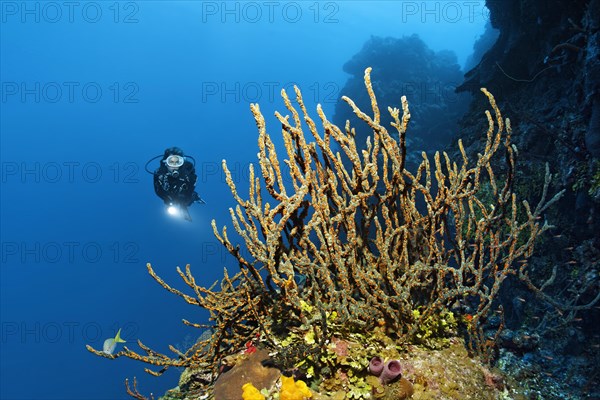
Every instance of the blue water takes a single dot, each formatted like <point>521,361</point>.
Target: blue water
<point>91,91</point>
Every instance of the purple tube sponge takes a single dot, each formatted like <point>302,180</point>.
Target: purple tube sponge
<point>376,366</point>
<point>391,371</point>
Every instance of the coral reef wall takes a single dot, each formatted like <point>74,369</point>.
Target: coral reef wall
<point>544,70</point>
<point>547,58</point>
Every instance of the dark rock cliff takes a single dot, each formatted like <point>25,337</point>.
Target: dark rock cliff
<point>544,71</point>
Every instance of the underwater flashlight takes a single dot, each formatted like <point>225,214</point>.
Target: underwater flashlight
<point>173,210</point>
<point>178,211</point>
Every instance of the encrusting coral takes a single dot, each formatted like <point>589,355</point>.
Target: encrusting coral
<point>351,242</point>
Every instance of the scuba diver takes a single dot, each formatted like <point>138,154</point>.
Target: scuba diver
<point>175,181</point>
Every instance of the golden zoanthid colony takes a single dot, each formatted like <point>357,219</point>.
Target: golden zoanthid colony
<point>349,256</point>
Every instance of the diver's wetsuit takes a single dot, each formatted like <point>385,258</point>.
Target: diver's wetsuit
<point>177,186</point>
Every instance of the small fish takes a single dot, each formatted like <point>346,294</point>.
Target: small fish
<point>111,344</point>
<point>521,299</point>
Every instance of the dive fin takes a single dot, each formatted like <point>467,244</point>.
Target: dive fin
<point>197,199</point>
<point>186,214</point>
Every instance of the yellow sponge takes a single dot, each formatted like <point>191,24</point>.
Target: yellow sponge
<point>251,393</point>
<point>291,390</point>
